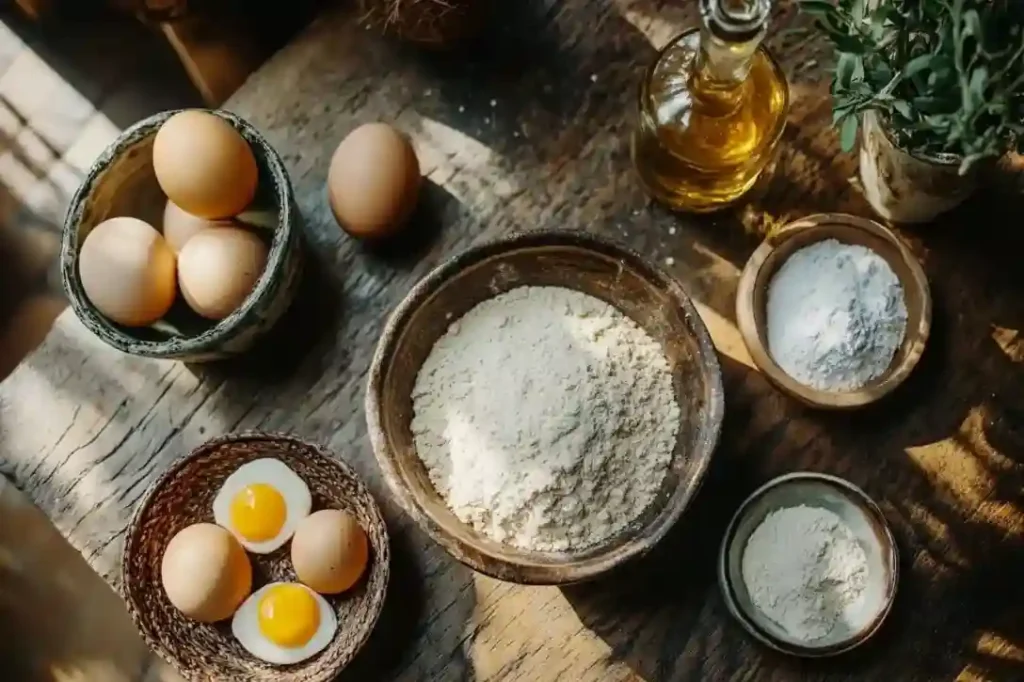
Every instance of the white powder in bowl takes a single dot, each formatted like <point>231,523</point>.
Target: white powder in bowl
<point>546,419</point>
<point>805,570</point>
<point>836,316</point>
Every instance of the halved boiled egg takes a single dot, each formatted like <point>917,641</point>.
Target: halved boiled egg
<point>284,623</point>
<point>261,503</point>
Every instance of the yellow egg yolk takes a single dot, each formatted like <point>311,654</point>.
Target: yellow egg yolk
<point>289,615</point>
<point>258,512</point>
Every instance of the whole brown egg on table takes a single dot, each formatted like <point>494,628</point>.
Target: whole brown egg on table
<point>373,181</point>
<point>131,272</point>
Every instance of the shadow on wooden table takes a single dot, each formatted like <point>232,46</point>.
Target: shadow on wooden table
<point>528,89</point>
<point>308,331</point>
<point>411,611</point>
<point>945,458</point>
<point>305,328</point>
<point>58,620</point>
<point>29,293</point>
<point>435,208</point>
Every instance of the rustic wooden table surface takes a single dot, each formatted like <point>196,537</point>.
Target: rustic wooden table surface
<point>533,133</point>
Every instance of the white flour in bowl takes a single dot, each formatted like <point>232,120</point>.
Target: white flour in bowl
<point>546,419</point>
<point>836,316</point>
<point>805,570</point>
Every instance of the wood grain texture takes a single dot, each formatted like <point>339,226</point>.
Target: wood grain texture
<point>84,429</point>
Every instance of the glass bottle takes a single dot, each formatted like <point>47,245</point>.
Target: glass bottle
<point>712,110</point>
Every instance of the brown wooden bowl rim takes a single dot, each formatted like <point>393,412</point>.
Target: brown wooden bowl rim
<point>383,559</point>
<point>468,553</point>
<point>756,276</point>
<point>890,548</point>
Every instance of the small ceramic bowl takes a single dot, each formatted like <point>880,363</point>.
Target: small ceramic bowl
<point>752,298</point>
<point>121,182</point>
<point>183,496</point>
<point>869,527</point>
<point>654,300</point>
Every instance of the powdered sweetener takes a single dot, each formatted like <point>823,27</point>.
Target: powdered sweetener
<point>805,570</point>
<point>836,316</point>
<point>546,419</point>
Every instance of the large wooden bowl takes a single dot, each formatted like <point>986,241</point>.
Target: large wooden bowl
<point>183,496</point>
<point>574,261</point>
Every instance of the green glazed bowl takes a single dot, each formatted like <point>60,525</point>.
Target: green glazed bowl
<point>121,182</point>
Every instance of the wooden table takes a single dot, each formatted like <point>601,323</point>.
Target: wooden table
<point>534,134</point>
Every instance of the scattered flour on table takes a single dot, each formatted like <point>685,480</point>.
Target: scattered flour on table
<point>805,570</point>
<point>836,316</point>
<point>546,418</point>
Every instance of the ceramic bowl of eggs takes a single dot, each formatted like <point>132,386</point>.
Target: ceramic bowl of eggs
<point>183,240</point>
<point>256,557</point>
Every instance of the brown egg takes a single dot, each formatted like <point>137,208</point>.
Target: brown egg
<point>373,181</point>
<point>218,269</point>
<point>204,165</point>
<point>206,573</point>
<point>330,551</point>
<point>127,271</point>
<point>180,225</point>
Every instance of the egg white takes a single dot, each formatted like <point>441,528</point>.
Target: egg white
<point>293,489</point>
<point>246,629</point>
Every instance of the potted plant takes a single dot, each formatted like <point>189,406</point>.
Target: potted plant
<point>937,88</point>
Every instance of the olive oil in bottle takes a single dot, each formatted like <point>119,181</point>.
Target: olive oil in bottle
<point>712,109</point>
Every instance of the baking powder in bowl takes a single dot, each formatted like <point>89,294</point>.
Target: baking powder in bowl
<point>546,419</point>
<point>836,316</point>
<point>804,570</point>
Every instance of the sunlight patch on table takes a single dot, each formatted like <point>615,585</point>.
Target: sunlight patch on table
<point>725,335</point>
<point>959,468</point>
<point>996,646</point>
<point>556,640</point>
<point>1010,341</point>
<point>89,671</point>
<point>52,133</point>
<point>972,674</point>
<point>465,167</point>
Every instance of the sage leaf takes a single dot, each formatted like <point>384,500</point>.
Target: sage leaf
<point>976,88</point>
<point>848,133</point>
<point>972,25</point>
<point>917,65</point>
<point>903,109</point>
<point>847,69</point>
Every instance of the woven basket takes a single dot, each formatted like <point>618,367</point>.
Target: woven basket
<point>428,23</point>
<point>183,496</point>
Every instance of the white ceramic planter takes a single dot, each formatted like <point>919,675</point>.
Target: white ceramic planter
<point>907,188</point>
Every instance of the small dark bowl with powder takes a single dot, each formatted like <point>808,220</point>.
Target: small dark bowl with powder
<point>809,565</point>
<point>618,277</point>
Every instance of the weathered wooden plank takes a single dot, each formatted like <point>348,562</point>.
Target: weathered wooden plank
<point>532,132</point>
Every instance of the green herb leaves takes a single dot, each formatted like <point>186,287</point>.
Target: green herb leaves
<point>947,76</point>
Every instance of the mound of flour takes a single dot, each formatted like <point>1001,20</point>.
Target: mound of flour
<point>836,316</point>
<point>546,418</point>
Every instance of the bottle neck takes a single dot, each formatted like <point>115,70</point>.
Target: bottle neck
<point>731,33</point>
